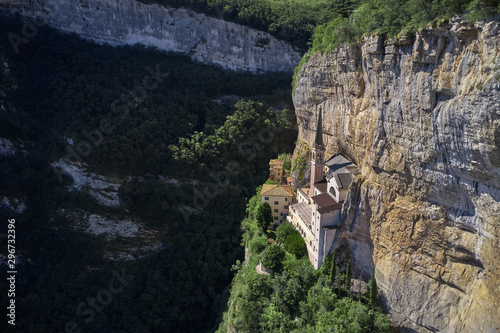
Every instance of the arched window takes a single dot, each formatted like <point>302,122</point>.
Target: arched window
<point>333,192</point>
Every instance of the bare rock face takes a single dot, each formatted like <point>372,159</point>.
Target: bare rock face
<point>421,118</point>
<point>129,22</point>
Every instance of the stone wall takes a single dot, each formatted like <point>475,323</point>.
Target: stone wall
<point>421,118</point>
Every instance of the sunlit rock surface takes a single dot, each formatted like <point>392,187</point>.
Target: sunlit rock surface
<point>422,121</point>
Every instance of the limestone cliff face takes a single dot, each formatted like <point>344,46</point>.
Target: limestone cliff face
<point>204,38</point>
<point>422,121</point>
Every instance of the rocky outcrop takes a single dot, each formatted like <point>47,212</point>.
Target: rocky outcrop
<point>422,121</point>
<point>129,22</point>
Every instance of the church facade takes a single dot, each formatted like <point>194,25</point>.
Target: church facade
<point>317,212</point>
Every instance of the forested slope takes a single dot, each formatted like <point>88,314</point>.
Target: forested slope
<point>56,95</point>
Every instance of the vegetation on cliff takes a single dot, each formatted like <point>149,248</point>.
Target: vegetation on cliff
<point>294,297</point>
<point>390,18</point>
<point>333,22</point>
<point>292,21</point>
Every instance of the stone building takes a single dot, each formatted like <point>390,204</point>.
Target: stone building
<point>317,211</point>
<point>276,170</point>
<point>279,198</point>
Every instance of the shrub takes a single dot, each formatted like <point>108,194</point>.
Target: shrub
<point>257,244</point>
<point>295,244</point>
<point>283,231</point>
<point>273,259</point>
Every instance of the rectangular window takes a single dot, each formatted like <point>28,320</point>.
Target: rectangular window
<point>281,214</point>
<point>275,217</point>
<point>286,199</point>
<point>286,207</point>
<point>275,210</point>
<point>266,198</point>
<point>276,203</point>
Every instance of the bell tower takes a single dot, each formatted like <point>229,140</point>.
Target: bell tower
<point>318,153</point>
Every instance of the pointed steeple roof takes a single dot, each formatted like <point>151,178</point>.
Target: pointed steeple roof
<point>319,130</point>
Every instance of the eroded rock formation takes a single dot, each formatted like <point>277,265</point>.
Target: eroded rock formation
<point>129,22</point>
<point>422,121</point>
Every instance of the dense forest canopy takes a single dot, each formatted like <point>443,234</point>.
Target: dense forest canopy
<point>56,94</point>
<point>81,86</point>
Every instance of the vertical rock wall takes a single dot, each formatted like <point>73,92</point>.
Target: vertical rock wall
<point>422,121</point>
<point>129,22</point>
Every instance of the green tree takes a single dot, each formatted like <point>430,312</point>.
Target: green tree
<point>373,295</point>
<point>340,7</point>
<point>257,244</point>
<point>264,216</point>
<point>283,231</point>
<point>275,319</point>
<point>273,259</point>
<point>348,316</point>
<point>381,321</point>
<point>254,203</point>
<point>270,182</point>
<point>294,243</point>
<point>333,271</point>
<point>348,275</point>
<point>287,161</point>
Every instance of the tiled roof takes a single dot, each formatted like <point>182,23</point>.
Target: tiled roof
<point>289,189</point>
<point>326,203</point>
<point>337,162</point>
<point>305,191</point>
<point>304,211</point>
<point>345,179</point>
<point>275,162</point>
<point>321,185</point>
<point>277,190</point>
<point>342,169</point>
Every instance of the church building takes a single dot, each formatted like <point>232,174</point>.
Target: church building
<point>317,212</point>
